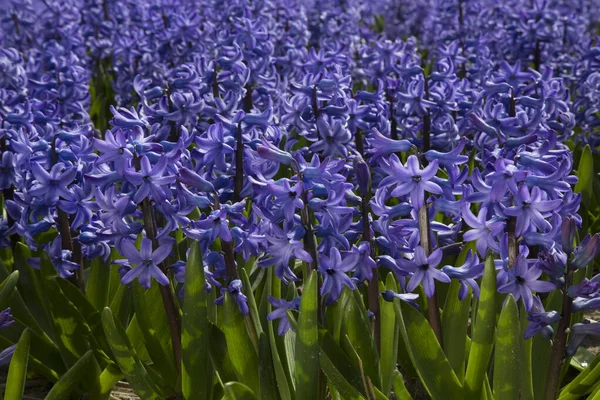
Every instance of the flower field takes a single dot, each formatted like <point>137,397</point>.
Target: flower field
<point>290,200</point>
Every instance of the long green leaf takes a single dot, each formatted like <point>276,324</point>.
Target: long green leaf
<point>220,356</point>
<point>425,352</point>
<point>357,327</point>
<point>127,360</point>
<point>30,288</point>
<point>241,349</point>
<point>284,379</point>
<point>307,343</point>
<point>337,364</point>
<point>266,372</point>
<point>17,371</point>
<point>507,357</point>
<point>455,321</point>
<point>196,368</point>
<point>526,358</point>
<point>390,330</point>
<point>98,283</point>
<point>585,176</point>
<point>8,288</point>
<point>70,380</point>
<point>71,330</point>
<point>161,361</point>
<point>483,333</point>
<point>18,308</point>
<point>400,388</point>
<point>238,391</point>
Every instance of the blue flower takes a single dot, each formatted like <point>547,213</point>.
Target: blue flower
<point>334,274</point>
<point>423,269</point>
<point>280,312</point>
<point>147,262</point>
<point>522,280</point>
<point>235,289</point>
<point>410,179</point>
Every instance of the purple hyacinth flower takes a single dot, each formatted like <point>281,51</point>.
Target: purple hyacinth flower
<point>218,226</point>
<point>147,262</point>
<point>586,251</point>
<point>522,280</point>
<point>287,197</point>
<point>269,151</point>
<point>540,320</point>
<point>410,179</point>
<point>466,274</point>
<point>6,355</point>
<point>334,274</point>
<point>54,184</point>
<point>150,180</point>
<point>282,249</point>
<point>424,270</point>
<point>235,289</point>
<point>280,313</point>
<point>334,138</point>
<point>410,298</point>
<point>530,209</point>
<point>579,333</point>
<point>6,318</point>
<point>484,231</point>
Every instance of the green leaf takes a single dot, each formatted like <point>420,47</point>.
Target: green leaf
<point>161,361</point>
<point>483,333</point>
<point>357,327</point>
<point>390,330</point>
<point>70,328</point>
<point>108,379</point>
<point>238,391</point>
<point>425,352</point>
<point>44,356</point>
<point>241,349</point>
<point>266,372</point>
<point>219,355</point>
<point>526,362</point>
<point>90,314</point>
<point>98,283</point>
<point>455,321</point>
<point>585,175</point>
<point>196,368</point>
<point>68,383</point>
<point>18,308</point>
<point>399,387</point>
<point>253,309</point>
<point>126,358</point>
<point>339,369</point>
<point>8,288</point>
<point>30,288</point>
<point>542,349</point>
<point>282,376</point>
<point>17,371</point>
<point>307,343</point>
<point>507,357</point>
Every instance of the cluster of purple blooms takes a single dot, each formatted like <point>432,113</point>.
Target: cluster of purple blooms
<point>278,134</point>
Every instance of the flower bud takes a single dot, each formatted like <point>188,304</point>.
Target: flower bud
<point>567,234</point>
<point>363,175</point>
<point>272,153</point>
<point>587,251</point>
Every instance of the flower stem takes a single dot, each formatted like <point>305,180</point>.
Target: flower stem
<point>433,309</point>
<point>559,345</point>
<point>373,288</point>
<point>166,293</point>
